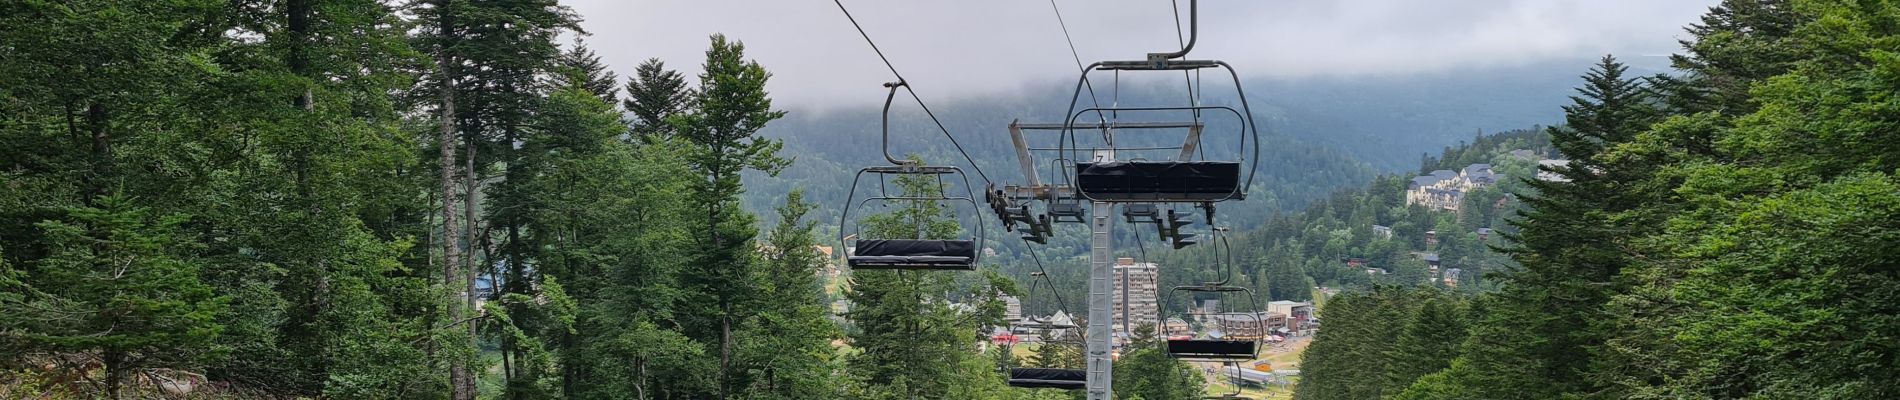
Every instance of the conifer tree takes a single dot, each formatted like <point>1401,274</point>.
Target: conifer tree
<point>1359,333</point>
<point>1285,276</point>
<point>788,344</point>
<point>731,108</point>
<point>908,334</point>
<point>654,94</point>
<point>581,67</point>
<point>119,281</point>
<point>1146,371</point>
<point>1428,341</point>
<point>1538,336</point>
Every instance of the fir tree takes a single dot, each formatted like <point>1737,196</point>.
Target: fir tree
<point>1428,341</point>
<point>654,94</point>
<point>581,67</point>
<point>788,344</point>
<point>732,107</point>
<point>1146,371</point>
<point>1285,276</point>
<point>1537,338</point>
<point>119,281</point>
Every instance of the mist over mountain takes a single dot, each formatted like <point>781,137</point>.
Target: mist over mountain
<point>1319,134</point>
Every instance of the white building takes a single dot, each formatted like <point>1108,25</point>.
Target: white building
<point>1543,175</point>
<point>1012,307</point>
<point>1299,315</point>
<point>1136,298</point>
<point>1445,189</point>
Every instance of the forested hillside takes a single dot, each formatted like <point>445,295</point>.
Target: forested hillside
<point>434,199</point>
<point>452,199</point>
<point>1322,133</point>
<point>832,144</point>
<point>1725,231</point>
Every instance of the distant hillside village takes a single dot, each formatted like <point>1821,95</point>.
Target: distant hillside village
<point>1445,190</point>
<point>1473,196</point>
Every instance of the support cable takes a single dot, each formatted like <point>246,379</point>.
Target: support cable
<point>913,93</point>
<point>1061,304</point>
<point>1078,64</point>
<point>1194,82</point>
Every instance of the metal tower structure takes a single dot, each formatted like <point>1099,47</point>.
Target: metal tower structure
<point>1139,177</point>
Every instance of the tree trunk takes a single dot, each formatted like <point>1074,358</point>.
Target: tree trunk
<point>640,384</point>
<point>470,198</point>
<point>299,59</point>
<point>96,123</point>
<point>451,235</point>
<point>725,349</point>
<point>725,306</point>
<point>115,373</point>
<point>508,370</point>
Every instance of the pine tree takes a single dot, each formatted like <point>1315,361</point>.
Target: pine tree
<point>306,216</point>
<point>732,107</point>
<point>654,94</point>
<point>1427,343</point>
<point>1737,43</point>
<point>1538,337</point>
<point>1146,371</point>
<point>910,335</point>
<point>612,228</point>
<point>581,67</point>
<point>445,41</point>
<point>119,281</point>
<point>1057,352</point>
<point>1766,210</point>
<point>1285,275</point>
<point>788,344</point>
<point>1342,361</point>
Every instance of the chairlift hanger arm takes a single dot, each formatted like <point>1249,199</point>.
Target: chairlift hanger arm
<point>887,122</point>
<point>1194,22</point>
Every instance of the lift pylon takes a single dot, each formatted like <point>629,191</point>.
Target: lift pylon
<point>1139,175</point>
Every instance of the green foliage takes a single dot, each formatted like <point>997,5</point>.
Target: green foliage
<point>1286,273</point>
<point>118,281</point>
<point>1428,341</point>
<point>1719,233</point>
<point>1054,352</point>
<point>655,94</point>
<point>1707,234</point>
<point>722,142</point>
<point>580,67</point>
<point>1146,371</point>
<point>786,348</point>
<point>910,335</point>
<point>1362,354</point>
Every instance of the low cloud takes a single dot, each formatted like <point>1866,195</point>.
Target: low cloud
<point>989,47</point>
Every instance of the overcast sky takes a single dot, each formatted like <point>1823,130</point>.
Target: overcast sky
<point>960,48</point>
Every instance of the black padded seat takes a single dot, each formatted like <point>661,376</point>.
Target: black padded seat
<point>914,254</point>
<point>1212,349</point>
<point>1159,180</point>
<point>1049,378</point>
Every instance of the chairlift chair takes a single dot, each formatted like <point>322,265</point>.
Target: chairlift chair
<point>1044,378</point>
<point>1191,177</point>
<point>915,253</point>
<point>1226,348</point>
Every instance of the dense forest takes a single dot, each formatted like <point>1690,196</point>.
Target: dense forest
<point>434,199</point>
<point>1725,231</point>
<point>458,199</point>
